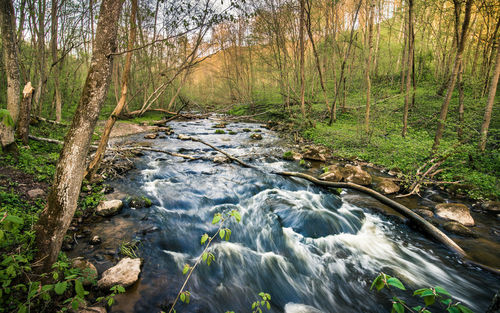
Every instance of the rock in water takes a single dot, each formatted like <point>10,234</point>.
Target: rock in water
<point>125,273</point>
<point>313,153</point>
<point>459,229</point>
<point>150,136</point>
<point>456,212</point>
<point>355,174</point>
<point>300,308</point>
<point>387,186</point>
<point>183,137</point>
<point>334,174</point>
<point>491,206</point>
<point>108,208</point>
<point>93,309</point>
<point>255,136</point>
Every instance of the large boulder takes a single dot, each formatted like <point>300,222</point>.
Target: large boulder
<point>333,174</point>
<point>459,229</point>
<point>88,270</point>
<point>125,273</point>
<point>108,208</point>
<point>387,186</point>
<point>355,174</point>
<point>456,212</point>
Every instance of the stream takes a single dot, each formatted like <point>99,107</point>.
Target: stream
<point>311,250</point>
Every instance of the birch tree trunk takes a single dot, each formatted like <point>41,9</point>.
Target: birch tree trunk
<point>62,199</point>
<point>301,48</point>
<point>370,12</point>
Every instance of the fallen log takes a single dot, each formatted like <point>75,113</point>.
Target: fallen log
<point>415,218</point>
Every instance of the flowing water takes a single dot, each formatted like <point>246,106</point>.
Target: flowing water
<point>312,250</point>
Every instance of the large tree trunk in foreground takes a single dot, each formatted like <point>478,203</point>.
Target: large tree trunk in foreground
<point>62,199</point>
<point>453,78</point>
<point>489,104</point>
<point>10,60</point>
<point>409,66</point>
<point>101,150</point>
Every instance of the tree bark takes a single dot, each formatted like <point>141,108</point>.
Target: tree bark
<point>453,78</point>
<point>62,199</point>
<point>10,58</point>
<point>23,128</point>
<point>370,12</point>
<point>101,150</point>
<point>53,50</point>
<point>301,48</point>
<point>489,104</point>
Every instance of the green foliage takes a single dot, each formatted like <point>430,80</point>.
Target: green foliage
<point>430,296</point>
<point>263,303</point>
<point>129,249</point>
<point>219,131</point>
<point>5,118</point>
<point>288,155</point>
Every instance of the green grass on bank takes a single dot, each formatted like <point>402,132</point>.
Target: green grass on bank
<point>383,144</point>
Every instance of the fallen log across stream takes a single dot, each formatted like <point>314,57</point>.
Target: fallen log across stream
<point>423,225</point>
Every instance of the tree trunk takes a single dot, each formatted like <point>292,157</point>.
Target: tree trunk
<point>62,199</point>
<point>409,66</point>
<point>370,12</point>
<point>53,49</point>
<point>301,48</point>
<point>461,96</point>
<point>101,149</point>
<point>453,78</point>
<point>40,57</point>
<point>489,104</point>
<point>23,128</point>
<point>10,58</point>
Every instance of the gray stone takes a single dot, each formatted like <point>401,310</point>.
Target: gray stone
<point>424,212</point>
<point>108,208</point>
<point>151,136</point>
<point>220,159</point>
<point>36,193</point>
<point>355,174</point>
<point>314,153</point>
<point>125,273</point>
<point>95,240</point>
<point>387,186</point>
<point>456,212</point>
<point>459,229</point>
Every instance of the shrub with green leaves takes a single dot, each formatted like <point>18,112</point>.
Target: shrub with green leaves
<point>430,296</point>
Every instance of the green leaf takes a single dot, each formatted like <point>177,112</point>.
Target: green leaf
<point>120,288</point>
<point>55,275</point>
<point>79,288</point>
<point>111,300</point>
<point>187,297</point>
<point>61,287</point>
<point>398,307</point>
<point>419,291</point>
<point>222,233</point>
<point>204,256</point>
<point>268,305</point>
<point>393,281</point>
<point>228,234</point>
<point>1,235</point>
<point>442,291</point>
<point>75,303</point>
<point>216,219</point>
<point>14,219</point>
<point>446,302</point>
<point>185,269</point>
<point>183,297</point>
<point>417,308</point>
<point>204,239</point>
<point>237,216</point>
<point>376,282</point>
<point>22,309</point>
<point>453,309</point>
<point>464,309</point>
<point>429,300</point>
<point>427,292</point>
